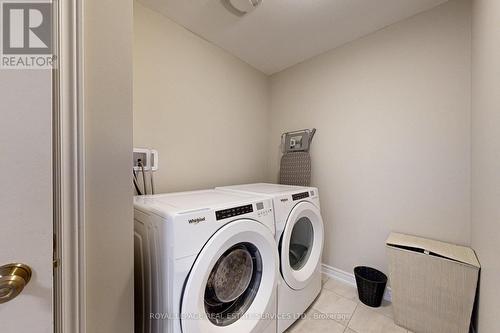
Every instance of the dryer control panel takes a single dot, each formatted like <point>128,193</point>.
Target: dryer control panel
<point>300,196</point>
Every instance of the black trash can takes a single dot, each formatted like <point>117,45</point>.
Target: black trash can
<point>371,285</point>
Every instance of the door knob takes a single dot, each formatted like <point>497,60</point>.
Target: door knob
<point>13,279</point>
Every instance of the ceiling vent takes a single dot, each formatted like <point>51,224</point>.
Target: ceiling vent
<point>241,7</point>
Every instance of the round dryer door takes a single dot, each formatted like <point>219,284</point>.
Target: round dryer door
<point>301,245</point>
<point>232,284</point>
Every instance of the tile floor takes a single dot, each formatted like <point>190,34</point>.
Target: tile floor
<point>338,310</point>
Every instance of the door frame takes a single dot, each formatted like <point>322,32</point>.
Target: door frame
<point>68,168</point>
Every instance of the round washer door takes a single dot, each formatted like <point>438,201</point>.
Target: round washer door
<point>232,283</point>
<point>301,245</point>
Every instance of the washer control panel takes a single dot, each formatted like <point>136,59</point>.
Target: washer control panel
<point>231,212</point>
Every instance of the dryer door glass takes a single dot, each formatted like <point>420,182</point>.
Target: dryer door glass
<point>233,284</point>
<point>301,243</point>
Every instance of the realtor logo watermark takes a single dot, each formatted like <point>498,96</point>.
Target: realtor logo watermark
<point>27,41</point>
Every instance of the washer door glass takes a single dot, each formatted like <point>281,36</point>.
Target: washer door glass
<point>233,284</point>
<point>231,287</point>
<point>301,242</point>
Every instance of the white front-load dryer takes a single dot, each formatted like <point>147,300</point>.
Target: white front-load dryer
<point>205,262</point>
<point>299,238</point>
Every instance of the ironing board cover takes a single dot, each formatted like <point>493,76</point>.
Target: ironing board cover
<point>295,169</point>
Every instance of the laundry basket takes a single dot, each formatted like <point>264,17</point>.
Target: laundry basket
<point>433,284</point>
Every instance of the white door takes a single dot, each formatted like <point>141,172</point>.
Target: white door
<point>26,197</point>
<point>232,285</point>
<point>301,245</point>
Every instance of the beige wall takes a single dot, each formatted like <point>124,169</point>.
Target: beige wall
<point>108,135</point>
<point>392,151</point>
<point>486,157</point>
<point>204,110</point>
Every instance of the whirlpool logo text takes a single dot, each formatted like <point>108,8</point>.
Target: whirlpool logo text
<point>197,220</point>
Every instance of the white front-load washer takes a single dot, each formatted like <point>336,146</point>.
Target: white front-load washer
<point>299,237</point>
<point>205,262</point>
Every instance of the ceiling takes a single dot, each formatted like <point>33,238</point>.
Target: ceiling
<point>282,33</point>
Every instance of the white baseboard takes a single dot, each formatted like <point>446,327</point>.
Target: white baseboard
<point>343,276</point>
